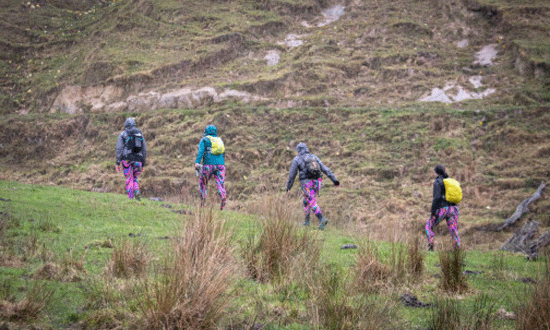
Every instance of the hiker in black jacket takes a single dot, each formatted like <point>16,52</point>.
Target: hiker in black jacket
<point>131,153</point>
<point>310,169</point>
<point>441,209</point>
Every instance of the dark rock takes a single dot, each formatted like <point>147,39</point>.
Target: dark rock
<point>471,272</point>
<point>411,301</point>
<point>528,280</point>
<point>182,212</point>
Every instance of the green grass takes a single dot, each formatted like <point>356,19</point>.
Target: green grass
<point>72,227</point>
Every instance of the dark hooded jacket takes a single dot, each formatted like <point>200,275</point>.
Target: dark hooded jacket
<point>122,150</point>
<point>299,166</point>
<point>204,154</point>
<point>439,200</point>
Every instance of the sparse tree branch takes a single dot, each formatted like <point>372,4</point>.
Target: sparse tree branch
<point>522,208</point>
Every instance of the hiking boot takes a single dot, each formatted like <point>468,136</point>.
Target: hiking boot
<point>322,224</point>
<point>306,223</point>
<point>430,246</point>
<point>138,197</point>
<point>222,206</point>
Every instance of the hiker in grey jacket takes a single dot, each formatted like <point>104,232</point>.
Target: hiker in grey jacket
<point>310,180</point>
<point>131,153</point>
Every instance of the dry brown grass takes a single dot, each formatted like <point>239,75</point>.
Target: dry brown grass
<point>534,314</point>
<point>129,259</point>
<point>404,263</point>
<point>452,263</point>
<point>68,268</point>
<point>334,304</point>
<point>416,257</point>
<point>30,307</point>
<point>281,251</point>
<point>372,275</point>
<point>189,291</point>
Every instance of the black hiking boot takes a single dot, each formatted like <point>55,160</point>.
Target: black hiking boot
<point>430,246</point>
<point>306,220</point>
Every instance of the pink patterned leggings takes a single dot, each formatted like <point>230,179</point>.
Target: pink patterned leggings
<point>131,172</point>
<point>449,213</point>
<point>219,174</point>
<point>309,190</point>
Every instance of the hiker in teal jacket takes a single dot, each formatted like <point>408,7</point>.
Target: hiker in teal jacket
<point>210,161</point>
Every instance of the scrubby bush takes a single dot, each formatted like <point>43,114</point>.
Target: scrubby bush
<point>189,289</point>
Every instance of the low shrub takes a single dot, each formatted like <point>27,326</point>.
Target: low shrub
<point>189,289</point>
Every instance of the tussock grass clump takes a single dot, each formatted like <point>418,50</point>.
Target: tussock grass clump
<point>372,275</point>
<point>333,304</point>
<point>450,314</point>
<point>105,319</point>
<point>416,258</point>
<point>446,315</point>
<point>534,313</point>
<point>28,308</point>
<point>452,278</point>
<point>66,269</point>
<point>129,259</point>
<point>281,249</point>
<point>189,290</point>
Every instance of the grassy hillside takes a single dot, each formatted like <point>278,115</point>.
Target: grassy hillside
<point>383,158</point>
<point>350,88</point>
<point>375,52</point>
<point>85,260</point>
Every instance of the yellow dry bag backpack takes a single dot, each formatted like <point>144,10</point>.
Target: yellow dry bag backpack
<point>453,192</point>
<point>217,145</point>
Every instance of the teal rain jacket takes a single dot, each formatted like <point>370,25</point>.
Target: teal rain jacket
<point>204,155</point>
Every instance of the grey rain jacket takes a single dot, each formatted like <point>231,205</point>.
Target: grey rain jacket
<point>299,165</point>
<point>122,152</point>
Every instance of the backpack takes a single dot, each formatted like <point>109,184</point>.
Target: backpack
<point>217,145</point>
<point>313,169</point>
<point>134,142</point>
<point>453,192</point>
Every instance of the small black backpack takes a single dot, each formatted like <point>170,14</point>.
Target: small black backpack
<point>313,169</point>
<point>134,142</point>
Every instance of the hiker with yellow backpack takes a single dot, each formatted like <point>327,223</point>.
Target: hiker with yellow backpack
<point>446,195</point>
<point>210,162</point>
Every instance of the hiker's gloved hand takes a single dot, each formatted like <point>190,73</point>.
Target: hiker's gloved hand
<point>337,183</point>
<point>197,166</point>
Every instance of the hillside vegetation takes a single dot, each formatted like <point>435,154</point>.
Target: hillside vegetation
<point>354,79</point>
<point>72,259</point>
<point>350,88</point>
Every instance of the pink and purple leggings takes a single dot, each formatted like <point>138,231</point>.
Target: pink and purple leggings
<point>219,174</point>
<point>449,213</point>
<point>131,172</point>
<point>309,190</point>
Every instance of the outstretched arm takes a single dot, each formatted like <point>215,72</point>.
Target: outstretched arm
<point>292,174</point>
<point>328,173</point>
